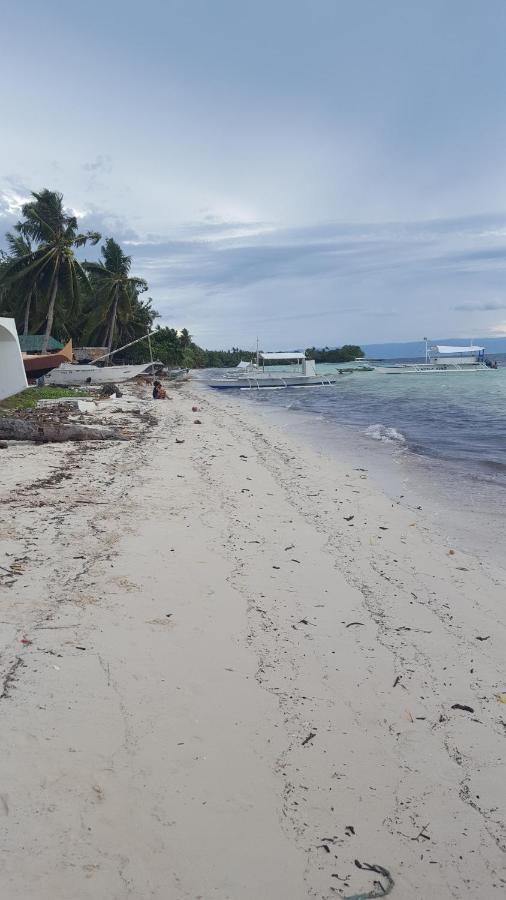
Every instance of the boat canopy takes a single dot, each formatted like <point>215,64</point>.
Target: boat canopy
<point>445,349</point>
<point>243,364</point>
<point>296,354</point>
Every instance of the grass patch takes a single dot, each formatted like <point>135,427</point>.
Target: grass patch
<point>28,398</point>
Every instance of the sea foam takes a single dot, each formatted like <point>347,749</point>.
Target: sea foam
<point>385,434</point>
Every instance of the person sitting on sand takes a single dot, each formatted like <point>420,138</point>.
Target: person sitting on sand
<point>158,392</point>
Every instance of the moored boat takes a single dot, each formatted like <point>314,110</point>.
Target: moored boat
<point>443,360</point>
<point>252,376</point>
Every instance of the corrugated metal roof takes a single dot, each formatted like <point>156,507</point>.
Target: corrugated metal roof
<point>32,343</point>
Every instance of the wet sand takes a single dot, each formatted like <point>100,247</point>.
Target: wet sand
<point>232,668</point>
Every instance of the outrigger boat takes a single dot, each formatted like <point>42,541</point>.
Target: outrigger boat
<point>443,360</point>
<point>252,376</point>
<point>72,375</point>
<point>69,375</point>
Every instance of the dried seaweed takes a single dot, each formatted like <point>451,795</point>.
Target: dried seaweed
<point>379,889</point>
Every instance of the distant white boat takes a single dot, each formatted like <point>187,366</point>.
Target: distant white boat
<point>443,360</point>
<point>12,371</point>
<point>252,376</point>
<point>69,375</point>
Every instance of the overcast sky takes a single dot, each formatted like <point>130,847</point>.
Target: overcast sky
<point>308,171</point>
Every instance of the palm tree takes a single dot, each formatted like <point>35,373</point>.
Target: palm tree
<point>138,321</point>
<point>20,247</point>
<point>52,265</point>
<point>116,291</point>
<point>185,338</point>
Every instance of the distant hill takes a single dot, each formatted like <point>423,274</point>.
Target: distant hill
<point>417,348</point>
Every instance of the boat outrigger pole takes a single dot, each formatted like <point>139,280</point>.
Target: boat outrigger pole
<point>112,352</point>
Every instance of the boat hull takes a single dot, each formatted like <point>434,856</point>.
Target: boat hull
<point>254,383</point>
<point>410,369</point>
<point>73,376</point>
<point>38,364</point>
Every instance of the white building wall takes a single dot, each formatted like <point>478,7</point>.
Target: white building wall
<point>12,370</point>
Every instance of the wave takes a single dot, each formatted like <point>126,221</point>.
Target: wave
<point>385,434</point>
<point>494,465</point>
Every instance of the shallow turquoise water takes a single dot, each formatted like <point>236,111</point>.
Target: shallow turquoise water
<point>457,418</point>
<point>437,442</point>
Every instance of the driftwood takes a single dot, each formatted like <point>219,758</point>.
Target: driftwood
<point>14,429</point>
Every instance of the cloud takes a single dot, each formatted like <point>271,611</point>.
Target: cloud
<point>10,206</point>
<point>352,281</point>
<point>101,163</point>
<point>483,305</point>
<point>13,194</point>
<point>293,184</point>
<point>95,169</point>
<point>108,224</point>
<point>321,282</point>
<point>91,218</point>
<point>236,255</point>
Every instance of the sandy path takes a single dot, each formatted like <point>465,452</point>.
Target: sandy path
<point>227,732</point>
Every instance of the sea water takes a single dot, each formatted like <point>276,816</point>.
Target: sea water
<point>436,441</point>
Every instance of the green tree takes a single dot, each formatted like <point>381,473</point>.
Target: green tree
<point>115,290</point>
<point>51,267</point>
<point>346,353</point>
<point>185,338</point>
<point>137,323</point>
<point>23,291</point>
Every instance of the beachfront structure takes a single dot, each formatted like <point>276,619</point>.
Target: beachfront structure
<point>12,370</point>
<point>89,354</point>
<point>32,343</point>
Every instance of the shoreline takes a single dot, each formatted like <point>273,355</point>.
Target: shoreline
<point>409,478</point>
<point>272,654</point>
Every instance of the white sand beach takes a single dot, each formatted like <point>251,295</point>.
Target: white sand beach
<point>233,668</point>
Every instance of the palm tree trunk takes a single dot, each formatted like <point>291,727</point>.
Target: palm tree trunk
<point>27,312</point>
<point>50,310</point>
<point>107,341</point>
<point>112,328</point>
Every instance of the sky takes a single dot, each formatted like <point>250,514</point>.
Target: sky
<point>311,172</point>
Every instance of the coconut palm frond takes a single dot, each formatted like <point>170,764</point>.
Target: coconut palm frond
<point>44,284</point>
<point>115,292</point>
<point>19,246</point>
<point>52,268</point>
<point>92,237</point>
<point>44,217</point>
<point>35,261</point>
<point>140,284</point>
<point>114,259</point>
<point>95,268</point>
